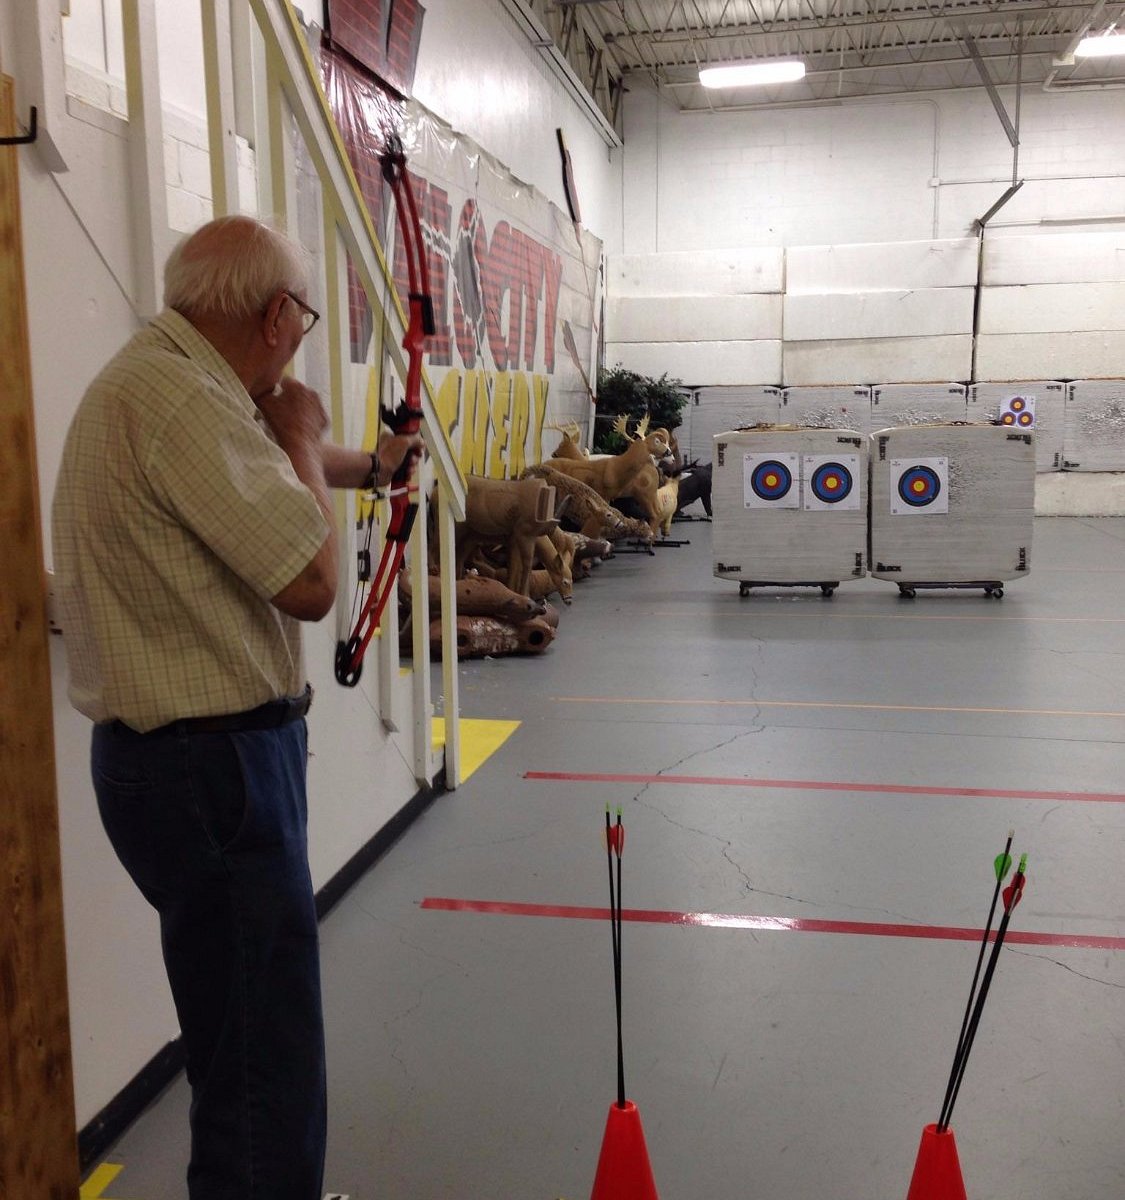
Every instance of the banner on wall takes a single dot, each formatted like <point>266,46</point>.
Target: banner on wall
<point>515,283</point>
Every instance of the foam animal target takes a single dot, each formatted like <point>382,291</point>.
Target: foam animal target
<point>1018,412</point>
<point>770,481</point>
<point>919,486</point>
<point>830,482</point>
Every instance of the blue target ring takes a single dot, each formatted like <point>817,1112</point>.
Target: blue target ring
<point>919,486</point>
<point>831,482</point>
<point>771,480</point>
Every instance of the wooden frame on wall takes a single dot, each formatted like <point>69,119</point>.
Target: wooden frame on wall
<point>38,1149</point>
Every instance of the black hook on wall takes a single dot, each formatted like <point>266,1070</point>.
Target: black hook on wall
<point>30,136</point>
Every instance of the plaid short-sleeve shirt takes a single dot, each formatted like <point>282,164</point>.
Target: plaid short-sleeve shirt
<point>176,517</point>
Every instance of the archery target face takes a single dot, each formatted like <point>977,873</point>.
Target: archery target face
<point>919,485</point>
<point>1018,412</point>
<point>771,480</point>
<point>830,481</point>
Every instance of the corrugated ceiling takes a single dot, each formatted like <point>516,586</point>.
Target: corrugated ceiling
<point>851,48</point>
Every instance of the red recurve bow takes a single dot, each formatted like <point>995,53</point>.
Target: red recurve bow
<point>404,419</point>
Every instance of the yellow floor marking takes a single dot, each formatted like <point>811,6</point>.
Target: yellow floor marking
<point>933,708</point>
<point>99,1179</point>
<point>479,740</point>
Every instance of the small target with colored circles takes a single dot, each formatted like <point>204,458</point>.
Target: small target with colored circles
<point>919,485</point>
<point>1018,412</point>
<point>770,481</point>
<point>831,482</point>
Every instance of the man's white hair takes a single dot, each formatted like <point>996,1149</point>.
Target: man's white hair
<point>232,267</point>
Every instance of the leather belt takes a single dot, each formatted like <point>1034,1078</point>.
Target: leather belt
<point>271,715</point>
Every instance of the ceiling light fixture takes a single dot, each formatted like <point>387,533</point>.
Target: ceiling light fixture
<point>748,74</point>
<point>1101,46</point>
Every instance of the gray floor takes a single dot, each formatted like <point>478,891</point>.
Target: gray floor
<point>471,1055</point>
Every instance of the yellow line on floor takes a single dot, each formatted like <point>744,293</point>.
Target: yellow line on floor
<point>753,703</point>
<point>480,740</point>
<point>98,1180</point>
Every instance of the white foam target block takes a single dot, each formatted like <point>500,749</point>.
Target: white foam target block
<point>925,312</point>
<point>905,360</point>
<point>1086,355</point>
<point>917,404</point>
<point>988,400</point>
<point>698,272</point>
<point>988,486</point>
<point>1077,494</point>
<point>682,432</point>
<point>1054,258</point>
<point>1053,307</point>
<point>716,409</point>
<point>1094,428</point>
<point>833,407</point>
<point>700,364</point>
<point>693,318</point>
<point>780,537</point>
<point>895,266</point>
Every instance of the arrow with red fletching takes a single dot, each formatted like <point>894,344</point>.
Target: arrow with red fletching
<point>1012,895</point>
<point>614,844</point>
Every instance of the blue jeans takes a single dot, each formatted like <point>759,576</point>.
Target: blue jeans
<point>212,829</point>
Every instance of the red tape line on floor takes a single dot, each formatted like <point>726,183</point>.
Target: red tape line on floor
<point>767,924</point>
<point>819,785</point>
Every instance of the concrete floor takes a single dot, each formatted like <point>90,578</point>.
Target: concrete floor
<point>472,1054</point>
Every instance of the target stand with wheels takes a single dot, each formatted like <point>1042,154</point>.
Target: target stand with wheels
<point>826,588</point>
<point>952,506</point>
<point>789,507</point>
<point>992,587</point>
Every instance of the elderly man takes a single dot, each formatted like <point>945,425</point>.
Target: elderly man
<point>193,533</point>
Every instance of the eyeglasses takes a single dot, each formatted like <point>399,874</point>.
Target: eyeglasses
<point>309,316</point>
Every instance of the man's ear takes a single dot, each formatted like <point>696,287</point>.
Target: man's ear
<point>271,319</point>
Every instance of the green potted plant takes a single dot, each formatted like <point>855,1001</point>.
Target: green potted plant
<point>621,391</point>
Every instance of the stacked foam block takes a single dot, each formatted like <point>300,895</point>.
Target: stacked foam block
<point>715,409</point>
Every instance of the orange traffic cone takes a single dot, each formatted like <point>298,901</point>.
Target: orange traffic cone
<point>623,1167</point>
<point>937,1171</point>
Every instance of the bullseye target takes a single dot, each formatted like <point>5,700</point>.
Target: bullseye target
<point>1018,412</point>
<point>919,485</point>
<point>770,481</point>
<point>830,482</point>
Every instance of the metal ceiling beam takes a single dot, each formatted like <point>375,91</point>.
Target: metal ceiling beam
<point>984,13</point>
<point>543,27</point>
<point>993,94</point>
<point>854,64</point>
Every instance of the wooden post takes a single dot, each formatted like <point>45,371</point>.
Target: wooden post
<point>38,1146</point>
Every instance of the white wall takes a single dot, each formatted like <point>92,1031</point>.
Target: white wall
<point>866,171</point>
<point>78,259</point>
<point>477,71</point>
